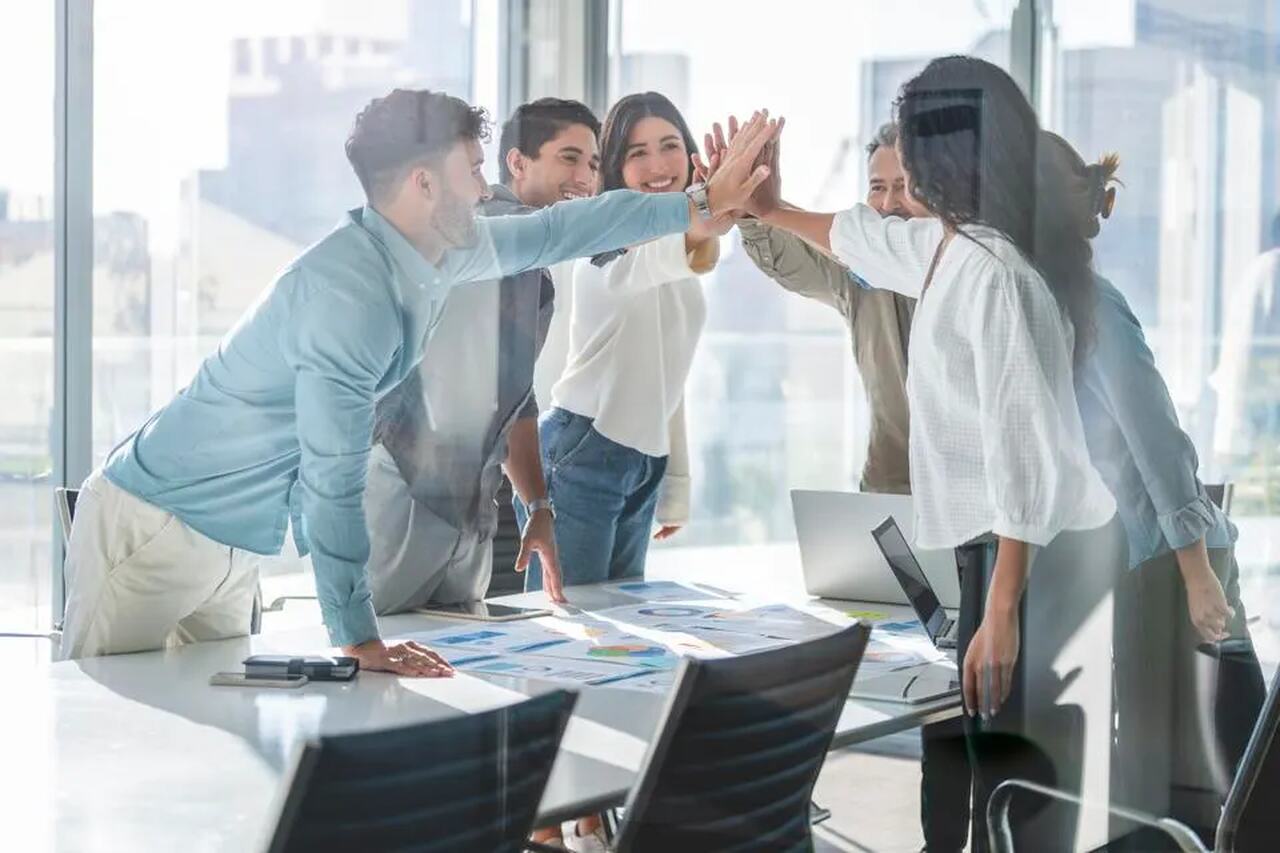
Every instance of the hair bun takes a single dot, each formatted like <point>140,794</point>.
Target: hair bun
<point>1099,176</point>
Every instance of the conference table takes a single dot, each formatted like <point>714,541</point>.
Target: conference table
<point>138,752</point>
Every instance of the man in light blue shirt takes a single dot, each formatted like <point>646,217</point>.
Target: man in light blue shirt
<point>275,428</point>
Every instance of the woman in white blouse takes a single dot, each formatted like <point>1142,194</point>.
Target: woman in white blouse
<point>997,445</point>
<point>614,448</point>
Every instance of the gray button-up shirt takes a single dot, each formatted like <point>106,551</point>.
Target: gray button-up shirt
<point>446,426</point>
<point>879,327</point>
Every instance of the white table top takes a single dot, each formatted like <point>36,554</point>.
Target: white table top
<point>138,752</point>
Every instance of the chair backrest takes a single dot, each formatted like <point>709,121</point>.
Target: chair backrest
<point>1250,819</point>
<point>1221,494</point>
<point>739,748</point>
<point>468,783</point>
<point>64,500</point>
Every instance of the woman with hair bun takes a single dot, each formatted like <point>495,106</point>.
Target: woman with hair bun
<point>1184,586</point>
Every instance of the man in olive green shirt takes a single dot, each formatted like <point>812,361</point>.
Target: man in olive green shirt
<point>879,327</point>
<point>879,320</point>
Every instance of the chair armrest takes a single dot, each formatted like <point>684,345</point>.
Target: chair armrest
<point>1002,797</point>
<point>277,604</point>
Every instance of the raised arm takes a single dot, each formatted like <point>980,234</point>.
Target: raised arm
<point>885,252</point>
<point>584,227</point>
<point>798,266</point>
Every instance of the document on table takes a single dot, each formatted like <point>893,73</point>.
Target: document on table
<point>547,668</point>
<point>637,646</point>
<point>664,591</point>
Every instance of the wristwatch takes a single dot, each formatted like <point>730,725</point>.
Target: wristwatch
<point>697,194</point>
<point>541,503</point>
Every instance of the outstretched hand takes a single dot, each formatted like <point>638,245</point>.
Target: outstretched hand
<point>768,194</point>
<point>734,172</point>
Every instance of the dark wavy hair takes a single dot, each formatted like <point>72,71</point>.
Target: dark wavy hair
<point>971,143</point>
<point>622,117</point>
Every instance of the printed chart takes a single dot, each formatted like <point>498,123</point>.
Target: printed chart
<point>637,646</point>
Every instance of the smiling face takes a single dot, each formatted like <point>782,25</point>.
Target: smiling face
<point>565,168</point>
<point>887,186</point>
<point>655,159</point>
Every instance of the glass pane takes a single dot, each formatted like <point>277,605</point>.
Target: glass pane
<point>218,157</point>
<point>774,398</point>
<point>1186,94</point>
<point>26,314</point>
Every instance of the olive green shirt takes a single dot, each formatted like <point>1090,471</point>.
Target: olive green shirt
<point>879,327</point>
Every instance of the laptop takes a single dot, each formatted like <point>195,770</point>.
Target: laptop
<point>940,627</point>
<point>839,557</point>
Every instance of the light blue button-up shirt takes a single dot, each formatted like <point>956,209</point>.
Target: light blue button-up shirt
<point>1131,426</point>
<point>276,426</point>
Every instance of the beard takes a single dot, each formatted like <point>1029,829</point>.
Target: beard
<point>455,220</point>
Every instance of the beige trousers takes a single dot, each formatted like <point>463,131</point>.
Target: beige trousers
<point>139,579</point>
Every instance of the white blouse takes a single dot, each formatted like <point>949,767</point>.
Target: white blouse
<point>633,330</point>
<point>996,439</point>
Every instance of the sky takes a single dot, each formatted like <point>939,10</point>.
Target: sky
<point>162,71</point>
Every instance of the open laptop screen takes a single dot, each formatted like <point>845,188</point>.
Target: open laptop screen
<point>907,569</point>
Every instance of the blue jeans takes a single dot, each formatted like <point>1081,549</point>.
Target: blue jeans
<point>605,495</point>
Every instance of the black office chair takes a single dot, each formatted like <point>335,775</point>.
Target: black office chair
<point>472,782</point>
<point>1249,822</point>
<point>740,746</point>
<point>1221,494</point>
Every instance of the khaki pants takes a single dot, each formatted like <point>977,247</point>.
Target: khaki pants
<point>139,579</point>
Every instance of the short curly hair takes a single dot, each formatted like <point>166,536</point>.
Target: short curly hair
<point>406,128</point>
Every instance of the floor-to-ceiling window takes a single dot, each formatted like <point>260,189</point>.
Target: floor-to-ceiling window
<point>1188,95</point>
<point>218,157</point>
<point>27,50</point>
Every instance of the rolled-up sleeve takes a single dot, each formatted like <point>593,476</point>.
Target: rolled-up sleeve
<point>1123,370</point>
<point>1036,465</point>
<point>886,252</point>
<point>339,345</point>
<point>580,228</point>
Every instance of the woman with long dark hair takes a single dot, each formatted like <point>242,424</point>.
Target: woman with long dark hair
<point>997,446</point>
<point>613,444</point>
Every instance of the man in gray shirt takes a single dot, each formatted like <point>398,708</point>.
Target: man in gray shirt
<point>444,437</point>
<point>879,328</point>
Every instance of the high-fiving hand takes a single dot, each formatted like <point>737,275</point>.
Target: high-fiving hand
<point>768,193</point>
<point>739,171</point>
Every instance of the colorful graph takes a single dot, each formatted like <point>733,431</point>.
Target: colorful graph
<point>626,651</point>
<point>892,657</point>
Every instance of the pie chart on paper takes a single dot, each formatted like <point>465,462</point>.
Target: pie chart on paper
<point>674,612</point>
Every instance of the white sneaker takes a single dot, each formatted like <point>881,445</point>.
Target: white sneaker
<point>594,842</point>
